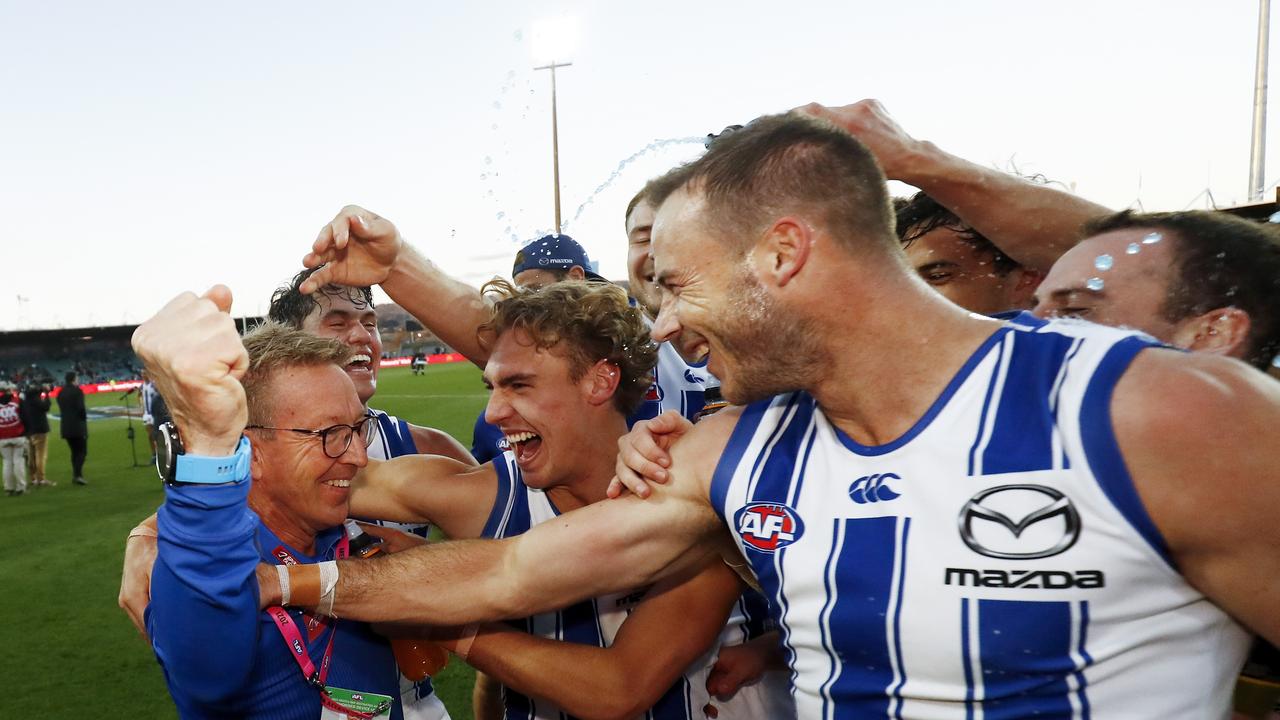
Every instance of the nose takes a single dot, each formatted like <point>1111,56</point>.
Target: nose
<point>667,325</point>
<point>357,454</point>
<point>498,408</point>
<point>359,335</point>
<point>1041,310</point>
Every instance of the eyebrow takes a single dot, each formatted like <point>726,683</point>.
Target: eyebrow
<point>506,380</point>
<point>939,265</point>
<point>344,314</point>
<point>1065,295</point>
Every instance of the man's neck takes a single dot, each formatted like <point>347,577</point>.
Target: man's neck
<point>589,482</point>
<point>877,396</point>
<point>287,528</point>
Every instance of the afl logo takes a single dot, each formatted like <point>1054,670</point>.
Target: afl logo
<point>767,527</point>
<point>654,393</point>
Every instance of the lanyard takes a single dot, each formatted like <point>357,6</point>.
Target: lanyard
<point>298,647</point>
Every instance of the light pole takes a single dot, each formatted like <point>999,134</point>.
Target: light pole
<point>553,42</point>
<point>555,137</point>
<point>1258,146</point>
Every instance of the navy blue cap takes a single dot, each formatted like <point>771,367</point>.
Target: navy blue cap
<point>553,252</point>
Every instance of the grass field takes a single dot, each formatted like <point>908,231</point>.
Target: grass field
<point>69,651</point>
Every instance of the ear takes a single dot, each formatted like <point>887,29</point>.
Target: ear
<point>1224,331</point>
<point>256,463</point>
<point>600,382</point>
<point>783,250</point>
<point>1024,283</point>
<point>576,273</point>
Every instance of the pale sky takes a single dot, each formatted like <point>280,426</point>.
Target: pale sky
<point>148,148</point>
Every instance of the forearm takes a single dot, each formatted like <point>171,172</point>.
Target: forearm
<point>203,617</point>
<point>1030,222</point>
<point>588,681</point>
<point>449,308</point>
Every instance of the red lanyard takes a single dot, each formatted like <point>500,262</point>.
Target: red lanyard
<point>298,647</point>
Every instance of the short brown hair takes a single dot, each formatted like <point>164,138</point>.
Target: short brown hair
<point>590,321</point>
<point>778,163</point>
<point>1219,261</point>
<point>273,346</point>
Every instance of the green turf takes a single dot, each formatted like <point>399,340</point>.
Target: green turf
<point>69,651</point>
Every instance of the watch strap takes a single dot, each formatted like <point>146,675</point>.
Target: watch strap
<point>214,470</point>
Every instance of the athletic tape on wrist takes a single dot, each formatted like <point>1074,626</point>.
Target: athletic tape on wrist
<point>282,572</point>
<point>467,640</point>
<point>328,587</point>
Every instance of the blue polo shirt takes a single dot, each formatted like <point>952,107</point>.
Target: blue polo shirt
<point>222,657</point>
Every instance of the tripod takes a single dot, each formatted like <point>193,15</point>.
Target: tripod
<point>128,414</point>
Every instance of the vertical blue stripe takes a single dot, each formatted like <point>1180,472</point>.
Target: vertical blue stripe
<point>986,404</point>
<point>1026,654</point>
<point>493,527</point>
<point>1022,435</point>
<point>788,412</point>
<point>1066,372</point>
<point>739,440</point>
<point>967,654</point>
<point>674,704</point>
<point>897,618</point>
<point>1081,683</point>
<point>856,608</point>
<point>580,624</point>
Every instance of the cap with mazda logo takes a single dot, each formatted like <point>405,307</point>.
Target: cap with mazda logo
<point>554,252</point>
<point>1019,522</point>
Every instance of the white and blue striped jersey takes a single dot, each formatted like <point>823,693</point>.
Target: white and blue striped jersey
<point>591,622</point>
<point>677,385</point>
<point>393,439</point>
<point>993,562</point>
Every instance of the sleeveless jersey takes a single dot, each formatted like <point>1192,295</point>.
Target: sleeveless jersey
<point>390,441</point>
<point>677,385</point>
<point>591,622</point>
<point>993,562</point>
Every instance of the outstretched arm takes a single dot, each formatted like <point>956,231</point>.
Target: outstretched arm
<point>606,547</point>
<point>361,248</point>
<point>426,489</point>
<point>670,629</point>
<point>1030,222</point>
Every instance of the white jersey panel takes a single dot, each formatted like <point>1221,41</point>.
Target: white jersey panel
<point>994,562</point>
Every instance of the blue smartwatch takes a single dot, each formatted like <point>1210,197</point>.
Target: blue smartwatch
<point>178,468</point>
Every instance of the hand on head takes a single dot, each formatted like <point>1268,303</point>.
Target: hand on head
<point>194,356</point>
<point>871,124</point>
<point>357,248</point>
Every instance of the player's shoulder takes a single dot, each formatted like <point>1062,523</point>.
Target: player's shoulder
<point>1165,392</point>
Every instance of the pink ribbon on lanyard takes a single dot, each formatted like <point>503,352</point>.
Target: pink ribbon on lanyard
<point>298,647</point>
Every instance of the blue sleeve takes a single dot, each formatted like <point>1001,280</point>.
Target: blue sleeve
<point>203,617</point>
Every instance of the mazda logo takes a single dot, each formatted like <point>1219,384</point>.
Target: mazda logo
<point>1001,515</point>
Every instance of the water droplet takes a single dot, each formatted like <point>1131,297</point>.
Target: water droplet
<point>1133,249</point>
<point>484,176</point>
<point>493,126</point>
<point>1094,284</point>
<point>1275,217</point>
<point>518,36</point>
<point>488,160</point>
<point>1152,238</point>
<point>1104,262</point>
<point>511,74</point>
<point>1276,362</point>
<point>501,215</point>
<point>497,105</point>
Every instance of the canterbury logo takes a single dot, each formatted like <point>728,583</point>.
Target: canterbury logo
<point>873,488</point>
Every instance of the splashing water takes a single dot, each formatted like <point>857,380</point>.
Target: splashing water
<point>1152,238</point>
<point>1133,249</point>
<point>1094,284</point>
<point>617,172</point>
<point>1104,262</point>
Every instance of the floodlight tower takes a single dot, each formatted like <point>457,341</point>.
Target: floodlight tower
<point>553,42</point>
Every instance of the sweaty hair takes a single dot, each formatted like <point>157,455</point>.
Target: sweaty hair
<point>587,322</point>
<point>1219,261</point>
<point>779,164</point>
<point>273,347</point>
<point>921,214</point>
<point>635,200</point>
<point>291,307</point>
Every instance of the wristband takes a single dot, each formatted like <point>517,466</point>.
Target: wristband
<point>282,575</point>
<point>205,470</point>
<point>328,587</point>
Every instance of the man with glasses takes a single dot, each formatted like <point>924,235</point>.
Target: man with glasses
<point>220,654</point>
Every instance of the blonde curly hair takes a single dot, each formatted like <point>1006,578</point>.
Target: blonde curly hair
<point>589,321</point>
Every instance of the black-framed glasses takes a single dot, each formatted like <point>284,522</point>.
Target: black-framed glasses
<point>334,439</point>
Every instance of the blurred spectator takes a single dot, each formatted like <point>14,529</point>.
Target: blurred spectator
<point>154,411</point>
<point>75,426</point>
<point>35,416</point>
<point>13,447</point>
